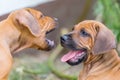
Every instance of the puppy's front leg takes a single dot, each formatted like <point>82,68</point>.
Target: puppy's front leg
<point>5,63</point>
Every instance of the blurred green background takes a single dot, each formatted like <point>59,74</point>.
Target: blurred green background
<point>31,64</point>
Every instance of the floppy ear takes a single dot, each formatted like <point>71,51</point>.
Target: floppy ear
<point>105,41</point>
<point>26,19</point>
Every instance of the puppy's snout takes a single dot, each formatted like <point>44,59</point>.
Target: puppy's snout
<point>65,38</point>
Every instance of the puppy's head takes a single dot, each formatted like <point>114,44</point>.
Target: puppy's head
<point>34,26</point>
<point>87,37</point>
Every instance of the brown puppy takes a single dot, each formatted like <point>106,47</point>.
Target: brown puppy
<point>92,43</point>
<point>25,28</point>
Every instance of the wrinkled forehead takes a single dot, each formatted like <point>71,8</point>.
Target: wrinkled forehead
<point>84,25</point>
<point>88,26</point>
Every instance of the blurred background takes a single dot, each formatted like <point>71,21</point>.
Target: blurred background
<point>31,64</point>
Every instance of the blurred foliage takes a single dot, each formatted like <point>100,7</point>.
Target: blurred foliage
<point>33,71</point>
<point>108,11</point>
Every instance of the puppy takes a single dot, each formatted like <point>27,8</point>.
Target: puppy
<point>24,28</point>
<point>94,44</point>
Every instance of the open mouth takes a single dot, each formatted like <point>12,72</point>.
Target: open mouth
<point>51,43</point>
<point>74,57</point>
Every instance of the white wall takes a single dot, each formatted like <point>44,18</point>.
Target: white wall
<point>9,5</point>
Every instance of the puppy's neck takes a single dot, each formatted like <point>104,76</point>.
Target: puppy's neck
<point>9,35</point>
<point>102,63</point>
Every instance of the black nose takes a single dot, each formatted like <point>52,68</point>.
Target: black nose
<point>65,38</point>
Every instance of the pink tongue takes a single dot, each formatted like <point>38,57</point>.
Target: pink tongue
<point>69,55</point>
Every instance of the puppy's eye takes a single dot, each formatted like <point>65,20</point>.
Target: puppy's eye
<point>84,33</point>
<point>41,16</point>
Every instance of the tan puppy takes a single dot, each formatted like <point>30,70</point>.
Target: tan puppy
<point>92,43</point>
<point>25,28</point>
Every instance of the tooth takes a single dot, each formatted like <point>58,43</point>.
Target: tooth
<point>56,19</point>
<point>51,42</point>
